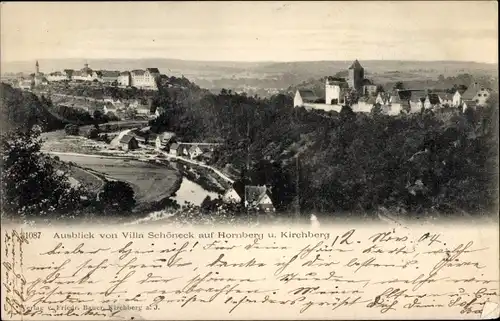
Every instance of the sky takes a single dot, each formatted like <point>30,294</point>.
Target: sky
<point>251,31</point>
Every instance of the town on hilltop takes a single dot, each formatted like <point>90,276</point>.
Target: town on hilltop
<point>139,78</point>
<point>362,95</point>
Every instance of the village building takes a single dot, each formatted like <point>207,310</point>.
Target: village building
<point>259,198</point>
<point>369,89</point>
<point>382,99</point>
<point>128,142</point>
<point>253,197</point>
<point>145,79</point>
<point>57,76</point>
<point>432,101</point>
<point>174,149</point>
<point>196,151</point>
<point>475,95</point>
<point>110,110</point>
<point>231,196</point>
<point>164,140</point>
<point>25,84</point>
<point>124,79</point>
<point>305,96</point>
<point>109,76</point>
<point>84,74</point>
<point>179,149</point>
<point>446,99</point>
<point>337,90</point>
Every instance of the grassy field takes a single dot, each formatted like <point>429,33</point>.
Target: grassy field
<point>151,182</point>
<point>58,141</point>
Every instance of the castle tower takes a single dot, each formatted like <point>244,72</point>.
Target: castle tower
<point>356,76</point>
<point>37,68</point>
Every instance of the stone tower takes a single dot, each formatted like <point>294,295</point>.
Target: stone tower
<point>37,68</point>
<point>356,76</point>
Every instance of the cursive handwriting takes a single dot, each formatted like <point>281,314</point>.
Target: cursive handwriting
<point>377,272</point>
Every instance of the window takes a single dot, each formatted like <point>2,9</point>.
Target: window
<point>477,100</point>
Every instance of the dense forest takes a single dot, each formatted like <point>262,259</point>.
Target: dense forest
<point>436,162</point>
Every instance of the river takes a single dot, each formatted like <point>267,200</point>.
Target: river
<point>191,192</point>
<point>188,191</point>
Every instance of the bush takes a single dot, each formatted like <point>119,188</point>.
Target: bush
<point>71,129</point>
<point>117,197</point>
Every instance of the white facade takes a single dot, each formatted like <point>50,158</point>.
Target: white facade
<point>332,92</point>
<point>145,79</point>
<point>231,196</point>
<point>194,152</point>
<point>482,97</point>
<point>297,100</point>
<point>325,107</point>
<point>57,76</point>
<point>457,99</point>
<point>124,79</point>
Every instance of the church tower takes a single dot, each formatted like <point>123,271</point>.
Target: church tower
<point>356,76</point>
<point>37,68</point>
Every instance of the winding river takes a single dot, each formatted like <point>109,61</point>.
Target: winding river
<point>192,192</point>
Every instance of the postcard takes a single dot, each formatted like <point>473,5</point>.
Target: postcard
<point>249,160</point>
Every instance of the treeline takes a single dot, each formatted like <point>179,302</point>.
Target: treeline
<point>22,110</point>
<point>440,162</point>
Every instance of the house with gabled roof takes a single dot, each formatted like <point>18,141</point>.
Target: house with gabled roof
<point>128,142</point>
<point>446,99</point>
<point>432,101</point>
<point>382,99</point>
<point>259,198</point>
<point>305,96</point>
<point>475,95</point>
<point>254,197</point>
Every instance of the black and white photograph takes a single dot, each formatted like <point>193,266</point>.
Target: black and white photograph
<point>137,117</point>
<point>311,116</point>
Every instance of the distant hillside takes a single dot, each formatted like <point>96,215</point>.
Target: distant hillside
<point>310,68</point>
<point>267,78</point>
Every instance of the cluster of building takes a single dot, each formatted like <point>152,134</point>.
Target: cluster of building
<point>338,91</point>
<point>254,197</point>
<point>139,78</point>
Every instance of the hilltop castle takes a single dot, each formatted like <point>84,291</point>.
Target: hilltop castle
<point>337,91</point>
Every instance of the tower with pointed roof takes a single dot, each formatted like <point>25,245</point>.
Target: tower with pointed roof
<point>37,68</point>
<point>356,75</point>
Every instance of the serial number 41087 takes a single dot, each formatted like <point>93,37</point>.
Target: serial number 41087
<point>31,235</point>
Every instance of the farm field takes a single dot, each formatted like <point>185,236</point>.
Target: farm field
<point>151,182</point>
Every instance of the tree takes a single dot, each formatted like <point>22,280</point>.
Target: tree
<point>93,133</point>
<point>376,109</point>
<point>399,86</point>
<point>30,184</point>
<point>72,129</point>
<point>117,197</point>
